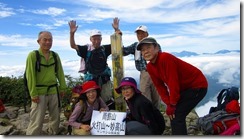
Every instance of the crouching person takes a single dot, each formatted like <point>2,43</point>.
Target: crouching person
<point>143,118</point>
<point>90,100</point>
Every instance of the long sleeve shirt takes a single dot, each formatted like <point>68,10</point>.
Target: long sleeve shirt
<point>46,76</point>
<point>99,103</point>
<point>143,111</point>
<point>172,75</point>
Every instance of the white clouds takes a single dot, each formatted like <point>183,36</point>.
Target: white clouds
<point>223,67</point>
<point>157,11</point>
<point>5,14</point>
<point>53,11</point>
<point>212,24</point>
<point>5,11</point>
<point>14,71</point>
<point>204,109</point>
<point>45,26</point>
<point>228,75</point>
<point>213,27</point>
<point>16,40</point>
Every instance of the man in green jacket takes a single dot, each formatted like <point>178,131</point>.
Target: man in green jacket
<point>44,86</point>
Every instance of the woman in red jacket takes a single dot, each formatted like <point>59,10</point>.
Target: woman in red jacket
<point>180,85</point>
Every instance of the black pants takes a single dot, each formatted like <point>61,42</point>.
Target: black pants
<point>137,128</point>
<point>188,101</point>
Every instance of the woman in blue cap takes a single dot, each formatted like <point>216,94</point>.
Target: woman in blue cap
<point>143,118</point>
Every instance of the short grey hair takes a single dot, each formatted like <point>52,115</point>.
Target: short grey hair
<point>41,32</point>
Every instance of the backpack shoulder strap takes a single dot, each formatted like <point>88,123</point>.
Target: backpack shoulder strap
<point>38,61</point>
<point>88,54</point>
<point>103,50</point>
<point>55,61</point>
<point>221,96</point>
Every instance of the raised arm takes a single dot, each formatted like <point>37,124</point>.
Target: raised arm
<point>115,25</point>
<point>73,27</point>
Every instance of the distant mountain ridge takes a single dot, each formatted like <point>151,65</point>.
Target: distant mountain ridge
<point>189,53</point>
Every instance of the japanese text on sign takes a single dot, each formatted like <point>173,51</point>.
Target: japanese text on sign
<point>108,123</point>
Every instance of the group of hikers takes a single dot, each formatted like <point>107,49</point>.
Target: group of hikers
<point>163,77</point>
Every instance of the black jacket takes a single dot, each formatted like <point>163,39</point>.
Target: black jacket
<point>143,111</point>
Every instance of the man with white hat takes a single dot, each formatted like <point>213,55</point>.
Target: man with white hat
<point>95,61</point>
<point>146,86</point>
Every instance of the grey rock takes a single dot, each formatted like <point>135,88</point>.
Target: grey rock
<point>15,122</point>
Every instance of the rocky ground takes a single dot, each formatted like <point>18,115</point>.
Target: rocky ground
<point>14,121</point>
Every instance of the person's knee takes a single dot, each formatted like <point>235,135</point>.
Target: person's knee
<point>136,128</point>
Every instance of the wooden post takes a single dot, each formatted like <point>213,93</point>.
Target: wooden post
<point>118,70</point>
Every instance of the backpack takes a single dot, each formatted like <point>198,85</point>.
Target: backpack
<point>224,97</point>
<point>2,107</point>
<point>72,101</point>
<point>217,122</point>
<point>38,68</point>
<point>82,60</point>
<point>70,108</point>
<point>96,64</point>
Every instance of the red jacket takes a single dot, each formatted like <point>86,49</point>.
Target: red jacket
<point>172,75</point>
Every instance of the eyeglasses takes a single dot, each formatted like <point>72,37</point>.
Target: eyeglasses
<point>125,88</point>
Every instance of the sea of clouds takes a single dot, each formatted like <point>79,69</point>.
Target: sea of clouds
<point>224,67</point>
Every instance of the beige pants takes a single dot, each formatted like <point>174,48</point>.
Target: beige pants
<point>106,92</point>
<point>148,89</point>
<point>77,131</point>
<point>37,114</point>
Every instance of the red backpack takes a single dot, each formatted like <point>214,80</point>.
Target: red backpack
<point>222,125</point>
<point>219,121</point>
<point>2,108</point>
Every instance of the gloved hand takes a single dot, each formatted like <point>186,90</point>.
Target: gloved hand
<point>170,110</point>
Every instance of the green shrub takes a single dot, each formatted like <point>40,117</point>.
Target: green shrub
<point>12,90</point>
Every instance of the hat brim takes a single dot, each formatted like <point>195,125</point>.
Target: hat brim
<point>93,88</point>
<point>140,30</point>
<point>118,89</point>
<point>140,45</point>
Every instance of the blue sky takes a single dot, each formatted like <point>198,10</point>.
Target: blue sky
<point>192,25</point>
<point>201,26</point>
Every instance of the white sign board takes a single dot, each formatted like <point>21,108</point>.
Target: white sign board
<point>108,123</point>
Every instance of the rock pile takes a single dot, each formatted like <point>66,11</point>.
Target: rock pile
<point>14,121</point>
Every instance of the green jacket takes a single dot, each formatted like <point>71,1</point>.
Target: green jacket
<point>45,77</point>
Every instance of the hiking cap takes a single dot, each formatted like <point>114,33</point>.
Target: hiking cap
<point>144,41</point>
<point>142,28</point>
<point>95,32</point>
<point>89,85</point>
<point>127,81</point>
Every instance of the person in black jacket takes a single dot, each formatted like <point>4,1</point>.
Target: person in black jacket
<point>143,118</point>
